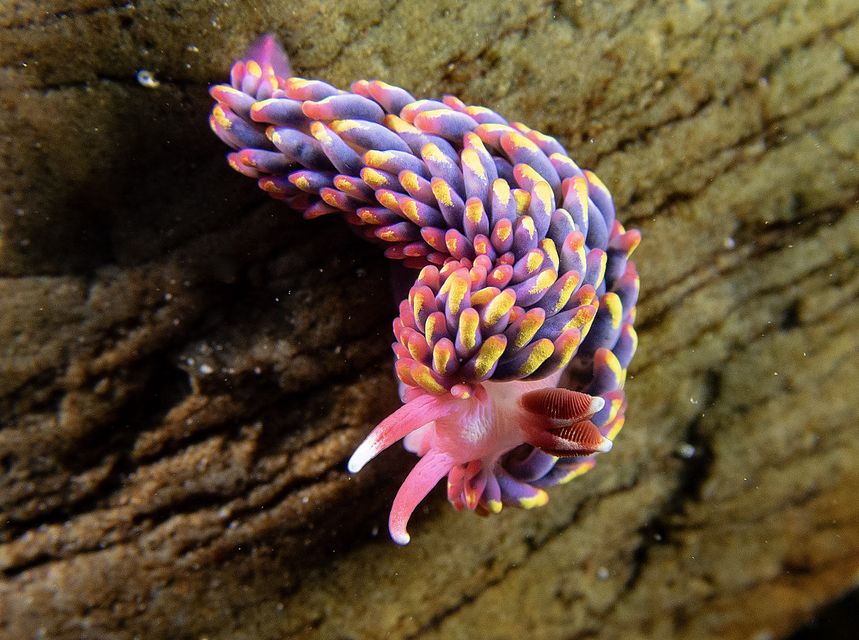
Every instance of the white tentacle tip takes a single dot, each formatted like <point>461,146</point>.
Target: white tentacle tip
<point>401,537</point>
<point>361,457</point>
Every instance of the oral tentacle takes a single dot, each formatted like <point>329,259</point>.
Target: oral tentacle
<point>412,415</point>
<point>420,481</point>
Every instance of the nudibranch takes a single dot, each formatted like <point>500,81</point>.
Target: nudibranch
<point>513,344</point>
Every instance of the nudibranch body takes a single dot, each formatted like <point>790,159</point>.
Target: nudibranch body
<point>513,343</point>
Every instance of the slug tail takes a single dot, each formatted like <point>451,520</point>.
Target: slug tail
<point>267,50</point>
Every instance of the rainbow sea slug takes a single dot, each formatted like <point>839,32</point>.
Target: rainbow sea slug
<point>513,343</point>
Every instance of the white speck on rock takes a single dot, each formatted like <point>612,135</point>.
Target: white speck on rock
<point>147,79</point>
<point>686,450</point>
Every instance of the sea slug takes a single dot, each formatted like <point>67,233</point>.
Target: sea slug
<point>513,343</point>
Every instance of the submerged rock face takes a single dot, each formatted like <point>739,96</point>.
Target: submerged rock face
<point>185,366</point>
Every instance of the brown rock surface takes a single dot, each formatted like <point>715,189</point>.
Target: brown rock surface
<point>184,366</point>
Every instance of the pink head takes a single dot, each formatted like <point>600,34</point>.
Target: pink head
<point>466,438</point>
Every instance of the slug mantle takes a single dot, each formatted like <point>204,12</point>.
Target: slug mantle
<point>513,344</point>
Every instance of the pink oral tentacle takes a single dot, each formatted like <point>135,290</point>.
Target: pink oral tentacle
<point>423,477</point>
<point>412,415</point>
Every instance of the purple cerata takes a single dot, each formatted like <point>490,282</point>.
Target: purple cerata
<point>513,344</point>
